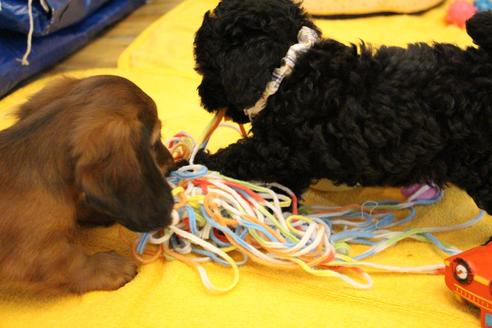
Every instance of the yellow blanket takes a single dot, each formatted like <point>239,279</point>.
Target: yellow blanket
<point>170,294</point>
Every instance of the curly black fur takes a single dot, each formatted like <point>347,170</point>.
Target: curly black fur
<point>386,117</point>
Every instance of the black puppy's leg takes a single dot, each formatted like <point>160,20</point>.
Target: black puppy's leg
<point>476,180</point>
<point>254,160</point>
<point>483,198</point>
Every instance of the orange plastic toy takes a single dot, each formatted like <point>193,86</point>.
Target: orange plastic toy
<point>469,275</point>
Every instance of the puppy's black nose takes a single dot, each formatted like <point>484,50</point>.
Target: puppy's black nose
<point>154,225</point>
<point>150,224</point>
<point>154,217</point>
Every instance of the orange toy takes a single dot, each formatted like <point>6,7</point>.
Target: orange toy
<point>469,275</point>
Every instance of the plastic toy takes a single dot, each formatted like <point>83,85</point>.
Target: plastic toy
<point>483,5</point>
<point>469,275</point>
<point>459,12</point>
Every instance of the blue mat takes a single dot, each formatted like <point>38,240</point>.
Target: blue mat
<point>50,49</point>
<point>59,14</point>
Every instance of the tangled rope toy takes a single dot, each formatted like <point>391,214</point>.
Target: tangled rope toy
<point>231,222</point>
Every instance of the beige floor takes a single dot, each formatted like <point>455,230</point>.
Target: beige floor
<point>104,50</point>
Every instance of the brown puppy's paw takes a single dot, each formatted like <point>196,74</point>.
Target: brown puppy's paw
<point>109,271</point>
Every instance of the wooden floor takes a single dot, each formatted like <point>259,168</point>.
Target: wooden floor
<point>106,48</point>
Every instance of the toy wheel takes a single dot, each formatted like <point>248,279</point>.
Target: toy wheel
<point>462,271</point>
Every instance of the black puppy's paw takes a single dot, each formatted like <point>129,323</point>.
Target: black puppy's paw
<point>202,157</point>
<point>180,163</point>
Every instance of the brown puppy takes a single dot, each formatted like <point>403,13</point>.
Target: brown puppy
<point>86,151</point>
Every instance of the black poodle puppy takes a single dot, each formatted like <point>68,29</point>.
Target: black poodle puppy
<point>387,117</point>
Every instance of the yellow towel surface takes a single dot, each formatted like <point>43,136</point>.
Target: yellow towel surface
<point>170,294</point>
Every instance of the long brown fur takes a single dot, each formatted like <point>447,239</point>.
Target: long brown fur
<point>85,152</point>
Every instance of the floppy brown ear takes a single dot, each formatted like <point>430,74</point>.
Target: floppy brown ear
<point>115,170</point>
